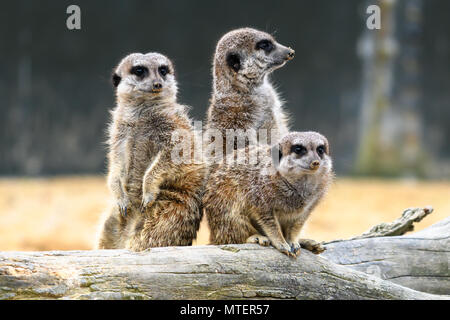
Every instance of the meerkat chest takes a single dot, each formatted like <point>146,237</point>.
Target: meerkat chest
<point>291,203</point>
<point>294,207</point>
<point>141,144</point>
<point>155,130</point>
<point>299,195</point>
<point>271,115</point>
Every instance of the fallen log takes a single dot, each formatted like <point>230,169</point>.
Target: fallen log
<point>224,272</point>
<point>203,272</point>
<point>419,261</point>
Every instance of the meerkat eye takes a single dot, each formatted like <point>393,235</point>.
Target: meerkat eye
<point>299,149</point>
<point>265,45</point>
<point>139,71</point>
<point>163,70</point>
<point>321,150</point>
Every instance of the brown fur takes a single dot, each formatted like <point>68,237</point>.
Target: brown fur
<point>268,202</point>
<point>158,201</point>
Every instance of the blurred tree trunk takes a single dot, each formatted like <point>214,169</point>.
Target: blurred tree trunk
<point>390,125</point>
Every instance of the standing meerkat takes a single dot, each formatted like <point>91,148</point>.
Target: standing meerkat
<point>243,97</point>
<point>158,202</point>
<point>269,202</point>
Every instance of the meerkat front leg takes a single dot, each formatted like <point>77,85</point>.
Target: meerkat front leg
<point>153,177</point>
<point>117,188</point>
<point>292,234</point>
<point>271,227</point>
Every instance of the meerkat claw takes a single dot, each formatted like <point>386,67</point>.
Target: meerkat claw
<point>264,241</point>
<point>291,254</point>
<point>295,250</point>
<point>146,201</point>
<point>258,239</point>
<point>123,205</point>
<point>123,211</point>
<point>286,250</point>
<point>143,207</point>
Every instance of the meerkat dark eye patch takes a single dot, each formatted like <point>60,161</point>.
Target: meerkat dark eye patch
<point>163,70</point>
<point>321,150</point>
<point>116,80</point>
<point>234,61</point>
<point>139,71</point>
<point>265,45</point>
<point>299,149</point>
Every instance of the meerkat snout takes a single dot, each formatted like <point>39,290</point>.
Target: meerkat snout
<point>290,55</point>
<point>157,86</point>
<point>314,165</point>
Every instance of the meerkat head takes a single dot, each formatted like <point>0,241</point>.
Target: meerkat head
<point>146,76</point>
<point>301,153</point>
<point>245,56</point>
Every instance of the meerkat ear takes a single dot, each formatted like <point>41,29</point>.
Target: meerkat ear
<point>116,80</point>
<point>276,154</point>
<point>234,61</point>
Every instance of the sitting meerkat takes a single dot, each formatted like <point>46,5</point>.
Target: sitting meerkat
<point>158,202</point>
<point>269,201</point>
<point>243,97</point>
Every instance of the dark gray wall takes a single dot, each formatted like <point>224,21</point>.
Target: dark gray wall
<point>55,89</point>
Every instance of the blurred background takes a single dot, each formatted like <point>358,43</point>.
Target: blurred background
<point>382,97</point>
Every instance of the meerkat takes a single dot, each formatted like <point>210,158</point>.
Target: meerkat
<point>269,201</point>
<point>243,97</point>
<point>157,201</point>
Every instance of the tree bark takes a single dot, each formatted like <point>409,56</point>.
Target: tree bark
<point>234,271</point>
<point>419,261</point>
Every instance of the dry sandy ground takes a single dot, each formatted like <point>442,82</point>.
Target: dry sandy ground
<point>63,213</point>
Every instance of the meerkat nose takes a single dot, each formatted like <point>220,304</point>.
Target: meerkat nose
<point>291,54</point>
<point>315,164</point>
<point>157,86</point>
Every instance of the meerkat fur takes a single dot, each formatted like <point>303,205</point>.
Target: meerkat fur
<point>243,97</point>
<point>157,202</point>
<point>270,200</point>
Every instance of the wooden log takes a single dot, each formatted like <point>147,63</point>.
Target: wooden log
<point>358,268</point>
<point>203,272</point>
<point>419,261</point>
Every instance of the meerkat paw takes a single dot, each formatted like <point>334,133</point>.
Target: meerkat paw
<point>123,205</point>
<point>295,247</point>
<point>311,245</point>
<point>147,199</point>
<point>285,248</point>
<point>259,239</point>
